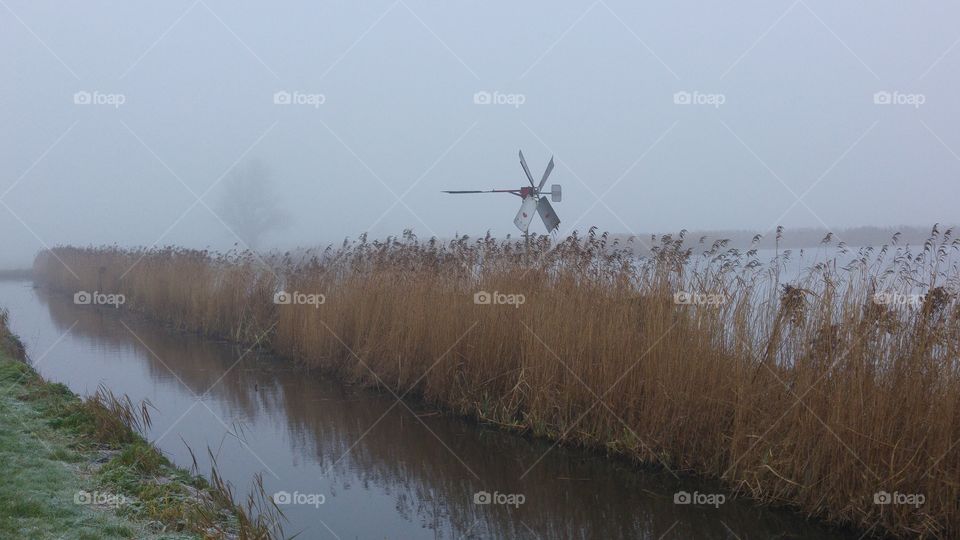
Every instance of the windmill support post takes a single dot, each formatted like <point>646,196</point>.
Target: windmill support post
<point>526,247</point>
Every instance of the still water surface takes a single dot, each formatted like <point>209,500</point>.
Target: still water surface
<point>382,469</point>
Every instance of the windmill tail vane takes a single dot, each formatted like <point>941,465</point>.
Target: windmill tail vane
<point>534,200</point>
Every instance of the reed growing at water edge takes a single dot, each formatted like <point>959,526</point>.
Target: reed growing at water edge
<point>836,391</point>
<point>82,468</point>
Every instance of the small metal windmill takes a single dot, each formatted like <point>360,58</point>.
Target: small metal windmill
<point>534,199</point>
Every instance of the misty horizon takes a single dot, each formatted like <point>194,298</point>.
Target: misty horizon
<point>127,125</point>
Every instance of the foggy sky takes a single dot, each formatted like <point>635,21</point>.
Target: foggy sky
<point>597,83</point>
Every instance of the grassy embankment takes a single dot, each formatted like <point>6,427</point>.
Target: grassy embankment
<point>75,468</point>
<point>818,393</point>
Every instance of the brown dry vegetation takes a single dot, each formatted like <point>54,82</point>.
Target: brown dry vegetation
<point>808,393</point>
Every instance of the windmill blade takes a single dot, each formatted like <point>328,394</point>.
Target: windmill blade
<point>526,170</point>
<point>549,217</point>
<point>462,191</point>
<point>546,173</point>
<point>525,215</point>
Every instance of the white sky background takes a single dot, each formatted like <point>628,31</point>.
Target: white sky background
<point>399,119</point>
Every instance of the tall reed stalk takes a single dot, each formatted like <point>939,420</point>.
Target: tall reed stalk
<point>818,390</point>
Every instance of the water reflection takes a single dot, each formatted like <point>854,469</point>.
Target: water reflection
<point>384,470</point>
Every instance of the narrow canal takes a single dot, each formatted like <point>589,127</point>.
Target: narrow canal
<point>358,463</point>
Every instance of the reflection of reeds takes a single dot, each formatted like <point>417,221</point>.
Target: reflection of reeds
<point>808,393</point>
<point>328,423</point>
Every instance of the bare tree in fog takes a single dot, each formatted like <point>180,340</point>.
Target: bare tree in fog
<point>249,205</point>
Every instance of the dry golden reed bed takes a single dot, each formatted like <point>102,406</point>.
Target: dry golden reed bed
<point>819,393</point>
